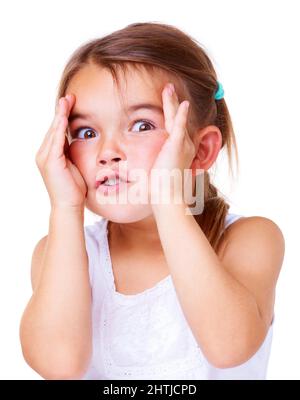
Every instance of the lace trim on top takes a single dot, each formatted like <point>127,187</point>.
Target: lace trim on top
<point>122,298</point>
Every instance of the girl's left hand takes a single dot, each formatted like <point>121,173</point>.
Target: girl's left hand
<point>178,151</point>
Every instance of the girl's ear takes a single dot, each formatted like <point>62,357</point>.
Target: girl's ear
<point>208,142</point>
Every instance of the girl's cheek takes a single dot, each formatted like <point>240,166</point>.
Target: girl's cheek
<point>153,152</point>
<point>74,153</point>
<point>153,148</point>
<point>79,155</point>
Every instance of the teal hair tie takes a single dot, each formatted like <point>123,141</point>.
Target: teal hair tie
<point>220,92</point>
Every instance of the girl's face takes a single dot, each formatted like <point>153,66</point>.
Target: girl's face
<point>111,135</point>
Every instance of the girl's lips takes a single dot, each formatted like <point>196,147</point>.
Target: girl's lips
<point>99,183</point>
<point>106,190</point>
<point>109,175</point>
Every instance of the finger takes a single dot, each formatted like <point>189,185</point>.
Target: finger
<point>47,142</point>
<point>180,122</point>
<point>61,108</point>
<point>170,106</point>
<point>70,97</point>
<point>71,102</point>
<point>59,134</point>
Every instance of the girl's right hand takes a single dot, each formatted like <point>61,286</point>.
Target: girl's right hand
<point>65,185</point>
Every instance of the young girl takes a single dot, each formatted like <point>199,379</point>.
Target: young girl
<point>150,290</point>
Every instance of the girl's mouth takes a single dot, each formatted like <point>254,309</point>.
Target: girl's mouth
<point>111,186</point>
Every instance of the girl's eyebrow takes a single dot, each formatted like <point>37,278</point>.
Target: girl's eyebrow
<point>134,107</point>
<point>153,107</point>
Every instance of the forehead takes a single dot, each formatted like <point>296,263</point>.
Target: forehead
<point>134,83</point>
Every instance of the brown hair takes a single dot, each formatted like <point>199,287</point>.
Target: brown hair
<point>153,46</point>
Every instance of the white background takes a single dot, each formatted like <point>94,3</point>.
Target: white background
<point>254,46</point>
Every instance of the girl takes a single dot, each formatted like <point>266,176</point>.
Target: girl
<point>150,290</point>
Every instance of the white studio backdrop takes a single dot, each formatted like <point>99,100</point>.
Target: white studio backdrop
<point>255,50</point>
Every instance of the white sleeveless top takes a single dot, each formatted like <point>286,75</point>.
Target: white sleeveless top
<point>145,335</point>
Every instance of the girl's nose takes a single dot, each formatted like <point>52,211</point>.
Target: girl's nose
<point>110,153</point>
<point>108,160</point>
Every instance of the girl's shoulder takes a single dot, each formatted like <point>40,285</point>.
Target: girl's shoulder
<point>253,236</point>
<point>231,218</point>
<point>253,255</point>
<point>253,225</point>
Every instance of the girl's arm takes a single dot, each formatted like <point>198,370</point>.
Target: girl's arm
<point>228,301</point>
<point>55,330</point>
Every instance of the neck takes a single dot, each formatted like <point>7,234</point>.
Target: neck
<point>136,235</point>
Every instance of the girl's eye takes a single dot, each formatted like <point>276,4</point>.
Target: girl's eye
<point>89,133</point>
<point>145,123</point>
<point>85,134</point>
